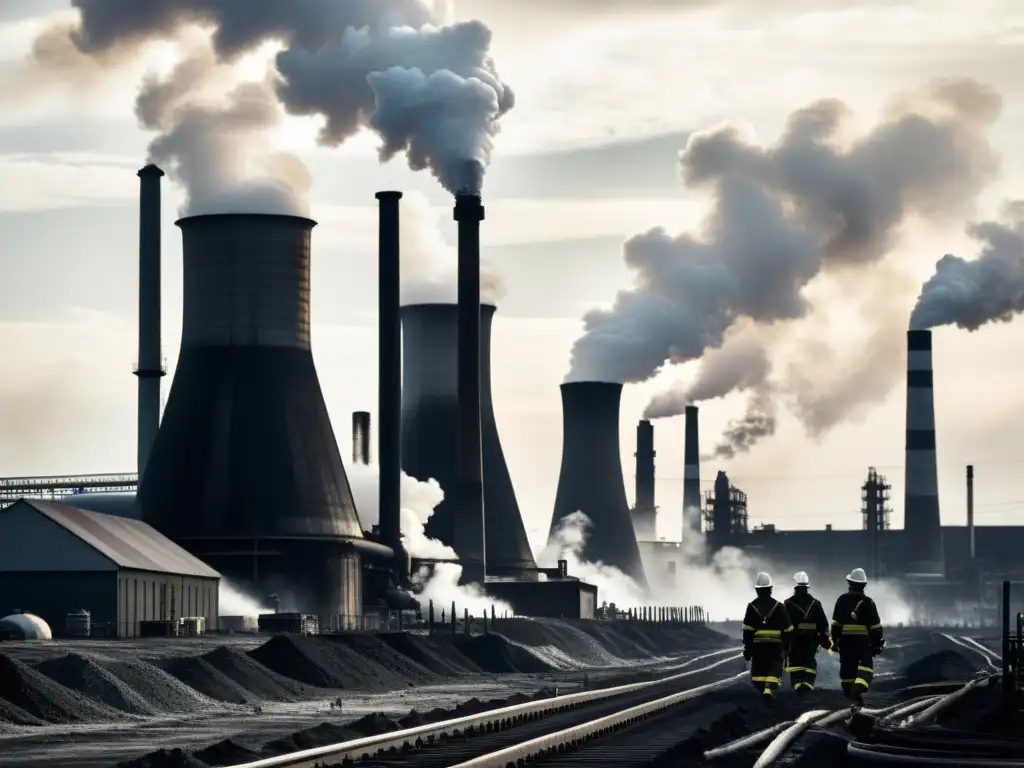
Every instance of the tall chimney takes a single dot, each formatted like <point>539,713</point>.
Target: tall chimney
<point>644,513</point>
<point>924,554</point>
<point>150,367</point>
<point>691,475</point>
<point>360,437</point>
<point>970,507</point>
<point>469,492</point>
<point>389,376</point>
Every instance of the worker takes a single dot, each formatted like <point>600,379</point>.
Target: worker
<point>766,634</point>
<point>857,632</point>
<point>810,630</point>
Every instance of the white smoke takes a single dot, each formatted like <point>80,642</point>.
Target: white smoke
<point>429,265</point>
<point>418,500</point>
<point>234,601</point>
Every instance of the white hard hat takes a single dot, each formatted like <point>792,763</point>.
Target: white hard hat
<point>801,578</point>
<point>857,576</point>
<point>763,580</point>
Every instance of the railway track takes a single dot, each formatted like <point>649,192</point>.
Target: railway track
<point>456,741</point>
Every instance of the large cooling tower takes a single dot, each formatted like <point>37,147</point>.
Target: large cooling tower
<point>430,406</point>
<point>924,554</point>
<point>245,471</point>
<point>691,474</point>
<point>590,480</point>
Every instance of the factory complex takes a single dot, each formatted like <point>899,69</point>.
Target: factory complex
<point>243,479</point>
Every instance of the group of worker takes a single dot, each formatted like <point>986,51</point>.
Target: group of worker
<point>781,637</point>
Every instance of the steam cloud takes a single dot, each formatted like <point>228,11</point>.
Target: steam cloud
<point>233,601</point>
<point>419,499</point>
<point>430,266</point>
<point>988,289</point>
<point>781,216</point>
<point>429,92</point>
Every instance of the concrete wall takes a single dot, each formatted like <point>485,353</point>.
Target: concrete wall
<point>145,596</point>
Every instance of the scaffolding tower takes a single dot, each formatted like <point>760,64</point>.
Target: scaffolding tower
<point>875,511</point>
<point>725,508</point>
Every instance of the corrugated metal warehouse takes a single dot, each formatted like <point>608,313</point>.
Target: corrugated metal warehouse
<point>56,559</point>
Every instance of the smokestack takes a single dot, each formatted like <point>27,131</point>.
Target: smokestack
<point>469,492</point>
<point>924,555</point>
<point>150,367</point>
<point>245,472</point>
<point>590,480</point>
<point>644,511</point>
<point>691,475</point>
<point>430,418</point>
<point>970,507</point>
<point>389,385</point>
<point>360,437</point>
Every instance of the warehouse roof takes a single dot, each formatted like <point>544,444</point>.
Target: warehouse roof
<point>131,544</point>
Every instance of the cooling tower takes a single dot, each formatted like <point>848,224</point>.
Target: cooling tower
<point>360,437</point>
<point>245,472</point>
<point>590,480</point>
<point>470,529</point>
<point>644,511</point>
<point>150,367</point>
<point>430,409</point>
<point>924,554</point>
<point>691,474</point>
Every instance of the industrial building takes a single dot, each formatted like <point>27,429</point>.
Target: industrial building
<point>56,561</point>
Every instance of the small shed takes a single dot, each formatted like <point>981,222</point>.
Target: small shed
<point>56,560</point>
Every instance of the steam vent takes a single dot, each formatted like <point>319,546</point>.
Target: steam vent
<point>591,481</point>
<point>245,472</point>
<point>430,406</point>
<point>924,556</point>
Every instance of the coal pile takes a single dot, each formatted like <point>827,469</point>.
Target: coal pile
<point>259,681</point>
<point>395,665</point>
<point>226,752</point>
<point>164,692</point>
<point>165,758</point>
<point>200,675</point>
<point>941,666</point>
<point>34,693</point>
<point>79,673</point>
<point>493,653</point>
<point>437,654</point>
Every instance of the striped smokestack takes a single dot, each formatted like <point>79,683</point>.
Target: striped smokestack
<point>691,475</point>
<point>924,555</point>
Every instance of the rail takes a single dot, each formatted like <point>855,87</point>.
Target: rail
<point>494,719</point>
<point>970,644</point>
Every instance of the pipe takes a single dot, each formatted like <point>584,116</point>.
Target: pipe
<point>921,498</point>
<point>469,532</point>
<point>360,437</point>
<point>149,368</point>
<point>944,703</point>
<point>970,508</point>
<point>691,475</point>
<point>389,371</point>
<point>788,737</point>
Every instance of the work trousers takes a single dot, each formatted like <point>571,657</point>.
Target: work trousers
<point>766,667</point>
<point>801,663</point>
<point>856,667</point>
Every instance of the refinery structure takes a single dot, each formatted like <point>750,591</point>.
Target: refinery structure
<point>245,405</point>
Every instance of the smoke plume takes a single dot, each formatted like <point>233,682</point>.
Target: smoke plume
<point>429,92</point>
<point>430,266</point>
<point>234,601</point>
<point>782,215</point>
<point>757,423</point>
<point>418,500</point>
<point>990,288</point>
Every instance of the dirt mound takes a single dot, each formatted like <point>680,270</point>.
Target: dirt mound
<point>164,692</point>
<point>493,653</point>
<point>82,674</point>
<point>226,752</point>
<point>34,693</point>
<point>199,675</point>
<point>12,715</point>
<point>164,758</point>
<point>944,665</point>
<point>436,653</point>
<point>254,677</point>
<point>399,668</point>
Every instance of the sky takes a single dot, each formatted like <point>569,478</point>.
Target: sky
<point>608,93</point>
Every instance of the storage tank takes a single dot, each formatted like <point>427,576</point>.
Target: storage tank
<point>24,626</point>
<point>78,624</point>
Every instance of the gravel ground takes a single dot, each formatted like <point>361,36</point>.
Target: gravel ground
<point>92,703</point>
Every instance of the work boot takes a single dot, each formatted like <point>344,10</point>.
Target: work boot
<point>767,698</point>
<point>857,697</point>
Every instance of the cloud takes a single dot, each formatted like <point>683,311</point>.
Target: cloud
<point>64,180</point>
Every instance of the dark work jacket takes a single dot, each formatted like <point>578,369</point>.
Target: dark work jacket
<point>766,625</point>
<point>855,621</point>
<point>810,624</point>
